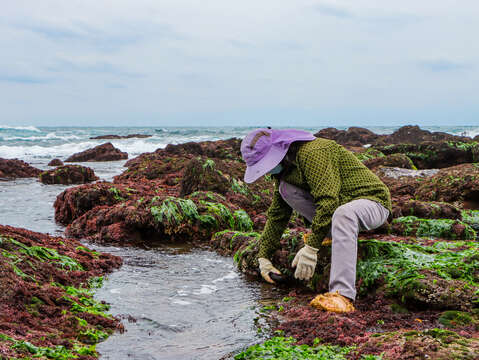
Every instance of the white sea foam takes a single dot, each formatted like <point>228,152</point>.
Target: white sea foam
<point>133,148</point>
<point>49,136</point>
<point>229,276</point>
<point>206,290</point>
<point>26,128</point>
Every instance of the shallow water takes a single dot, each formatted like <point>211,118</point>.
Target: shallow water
<point>186,303</point>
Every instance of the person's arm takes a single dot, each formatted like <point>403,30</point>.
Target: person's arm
<point>320,168</point>
<point>278,215</point>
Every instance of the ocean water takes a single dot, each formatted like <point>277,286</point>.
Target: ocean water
<point>188,303</point>
<point>38,145</point>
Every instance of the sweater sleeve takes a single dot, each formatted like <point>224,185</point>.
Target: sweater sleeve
<point>320,168</point>
<point>278,214</point>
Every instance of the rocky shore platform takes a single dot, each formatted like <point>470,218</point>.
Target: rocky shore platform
<point>417,276</point>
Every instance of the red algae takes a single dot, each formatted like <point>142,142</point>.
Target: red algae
<point>44,292</point>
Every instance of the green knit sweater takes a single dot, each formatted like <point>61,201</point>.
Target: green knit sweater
<point>333,176</point>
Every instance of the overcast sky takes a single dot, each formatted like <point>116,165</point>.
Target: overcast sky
<point>220,62</point>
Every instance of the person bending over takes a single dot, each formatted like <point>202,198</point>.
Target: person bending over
<point>330,188</point>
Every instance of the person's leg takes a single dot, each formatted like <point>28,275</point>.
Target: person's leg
<point>299,199</point>
<point>347,220</point>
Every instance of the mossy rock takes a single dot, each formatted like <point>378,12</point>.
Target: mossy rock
<point>454,319</point>
<point>426,210</point>
<point>455,184</point>
<point>393,160</point>
<point>436,344</point>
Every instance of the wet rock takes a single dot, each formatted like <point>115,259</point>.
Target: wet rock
<point>436,155</point>
<point>55,162</point>
<point>67,175</point>
<point>45,297</point>
<point>426,210</point>
<point>104,152</point>
<point>112,137</point>
<point>14,168</point>
<point>455,184</point>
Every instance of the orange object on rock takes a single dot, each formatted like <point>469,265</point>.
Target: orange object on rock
<point>333,302</point>
<point>327,241</point>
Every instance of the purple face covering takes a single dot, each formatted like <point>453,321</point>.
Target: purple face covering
<point>263,149</point>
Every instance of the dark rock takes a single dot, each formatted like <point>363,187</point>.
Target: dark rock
<point>67,175</point>
<point>104,152</point>
<point>354,136</point>
<point>414,135</point>
<point>55,162</point>
<point>14,168</point>
<point>436,155</point>
<point>105,137</point>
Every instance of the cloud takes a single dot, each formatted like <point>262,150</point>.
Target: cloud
<point>109,37</point>
<point>442,65</point>
<point>335,11</point>
<point>23,79</point>
<point>97,67</point>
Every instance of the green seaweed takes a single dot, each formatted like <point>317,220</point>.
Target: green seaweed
<point>239,187</point>
<point>399,265</point>
<point>281,348</point>
<point>433,228</point>
<point>41,253</point>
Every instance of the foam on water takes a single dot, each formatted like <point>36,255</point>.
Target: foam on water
<point>26,128</point>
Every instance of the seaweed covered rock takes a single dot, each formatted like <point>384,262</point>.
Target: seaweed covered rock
<point>160,219</point>
<point>14,168</point>
<point>442,276</point>
<point>426,210</point>
<point>393,160</point>
<point>436,155</point>
<point>433,228</point>
<point>103,152</point>
<point>67,175</point>
<point>47,304</point>
<point>74,202</point>
<point>168,164</point>
<point>455,184</point>
<point>55,162</point>
<point>434,343</point>
<point>204,174</point>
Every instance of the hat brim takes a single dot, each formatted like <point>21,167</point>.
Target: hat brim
<point>272,158</point>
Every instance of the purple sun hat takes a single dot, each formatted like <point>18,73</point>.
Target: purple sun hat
<point>263,149</point>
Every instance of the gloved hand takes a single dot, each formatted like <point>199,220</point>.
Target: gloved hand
<point>265,267</point>
<point>305,262</point>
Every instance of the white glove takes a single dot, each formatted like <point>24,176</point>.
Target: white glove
<point>305,262</point>
<point>265,267</point>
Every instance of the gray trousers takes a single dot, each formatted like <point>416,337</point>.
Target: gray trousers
<point>347,221</point>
